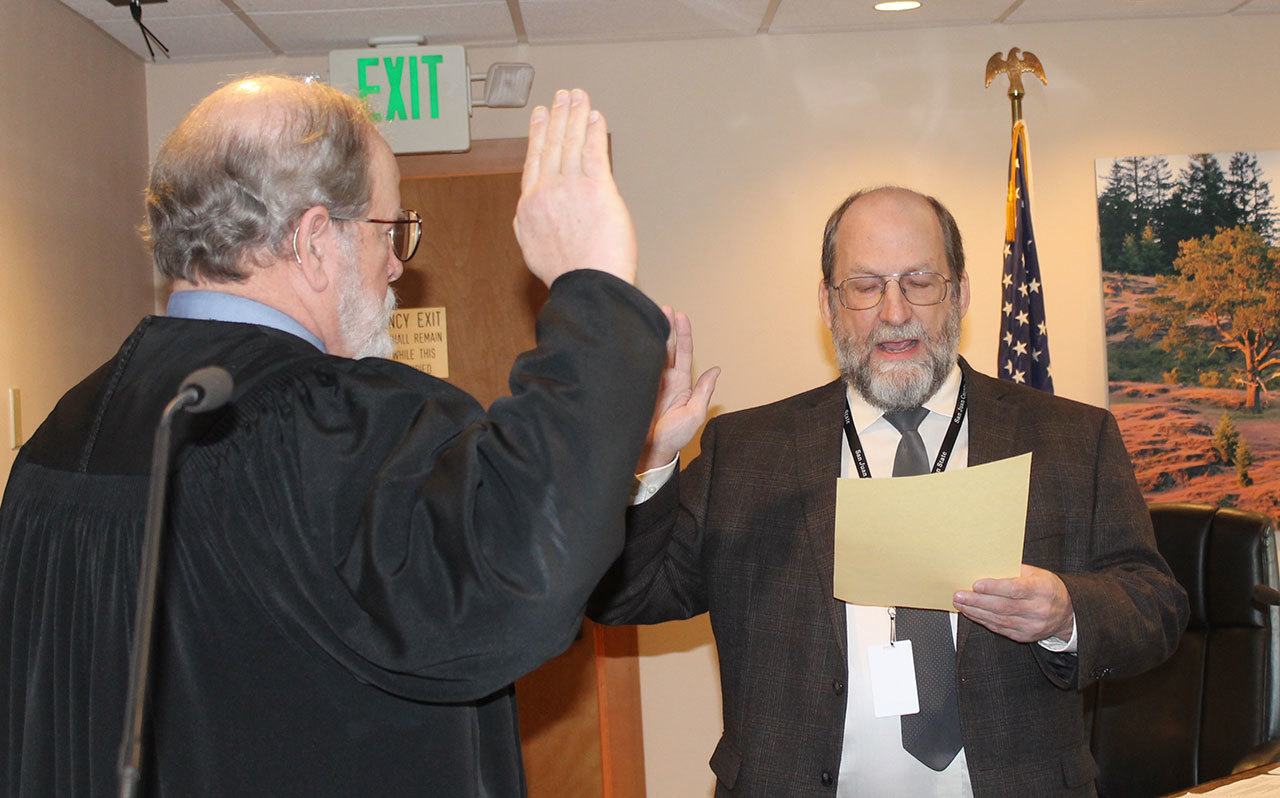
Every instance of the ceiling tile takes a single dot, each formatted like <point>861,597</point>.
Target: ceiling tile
<point>298,6</point>
<point>1261,7</point>
<point>613,20</point>
<point>190,37</point>
<point>98,10</point>
<point>322,31</point>
<point>810,16</point>
<point>1059,11</point>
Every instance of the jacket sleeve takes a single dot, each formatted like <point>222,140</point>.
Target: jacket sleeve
<point>1130,611</point>
<point>659,576</point>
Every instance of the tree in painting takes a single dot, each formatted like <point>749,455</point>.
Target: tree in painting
<point>1144,210</point>
<point>1229,285</point>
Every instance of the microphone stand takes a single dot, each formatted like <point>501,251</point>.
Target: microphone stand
<point>203,390</point>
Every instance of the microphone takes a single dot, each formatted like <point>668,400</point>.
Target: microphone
<point>1267,596</point>
<point>203,390</point>
<point>206,389</point>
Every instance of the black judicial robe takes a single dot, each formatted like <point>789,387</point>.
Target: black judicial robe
<point>361,560</point>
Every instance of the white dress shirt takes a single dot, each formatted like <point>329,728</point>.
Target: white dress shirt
<point>873,761</point>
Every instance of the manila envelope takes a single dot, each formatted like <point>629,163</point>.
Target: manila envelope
<point>914,541</point>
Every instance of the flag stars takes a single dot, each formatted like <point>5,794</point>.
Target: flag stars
<point>1007,280</point>
<point>1019,377</point>
<point>1008,339</point>
<point>1020,348</point>
<point>1008,366</point>
<point>1022,317</point>
<point>1022,289</point>
<point>1043,327</point>
<point>1034,285</point>
<point>1035,355</point>
<point>1008,250</point>
<point>1008,308</point>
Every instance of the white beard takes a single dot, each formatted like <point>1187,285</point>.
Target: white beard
<point>899,385</point>
<point>363,321</point>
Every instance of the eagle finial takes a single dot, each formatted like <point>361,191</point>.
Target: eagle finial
<point>1013,65</point>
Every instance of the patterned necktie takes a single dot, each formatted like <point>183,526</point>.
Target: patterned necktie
<point>932,735</point>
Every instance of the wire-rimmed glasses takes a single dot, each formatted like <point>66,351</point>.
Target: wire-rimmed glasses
<point>865,291</point>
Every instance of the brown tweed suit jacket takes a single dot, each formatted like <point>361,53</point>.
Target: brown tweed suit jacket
<point>747,534</point>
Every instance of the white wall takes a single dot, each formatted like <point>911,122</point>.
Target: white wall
<point>73,160</point>
<point>732,152</point>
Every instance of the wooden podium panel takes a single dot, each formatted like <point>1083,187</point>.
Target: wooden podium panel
<point>580,713</point>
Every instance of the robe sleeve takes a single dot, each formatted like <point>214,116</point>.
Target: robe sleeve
<point>433,549</point>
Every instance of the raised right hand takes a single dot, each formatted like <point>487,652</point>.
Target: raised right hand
<point>682,405</point>
<point>570,214</point>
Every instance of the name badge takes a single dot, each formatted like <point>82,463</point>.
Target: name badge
<point>893,679</point>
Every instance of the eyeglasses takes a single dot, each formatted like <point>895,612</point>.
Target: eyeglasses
<point>864,291</point>
<point>404,233</point>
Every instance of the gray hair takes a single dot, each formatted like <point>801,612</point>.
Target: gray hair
<point>230,183</point>
<point>952,245</point>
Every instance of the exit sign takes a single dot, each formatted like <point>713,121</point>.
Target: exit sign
<point>420,96</point>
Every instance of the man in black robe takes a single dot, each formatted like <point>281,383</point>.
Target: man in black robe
<point>361,559</point>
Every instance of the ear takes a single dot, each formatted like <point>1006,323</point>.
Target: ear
<point>309,245</point>
<point>963,288</point>
<point>824,301</point>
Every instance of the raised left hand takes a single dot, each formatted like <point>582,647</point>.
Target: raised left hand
<point>1032,607</point>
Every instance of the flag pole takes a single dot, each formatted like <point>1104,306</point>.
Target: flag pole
<point>1023,351</point>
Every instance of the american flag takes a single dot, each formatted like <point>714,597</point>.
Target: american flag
<point>1024,334</point>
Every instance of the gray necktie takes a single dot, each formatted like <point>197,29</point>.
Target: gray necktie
<point>932,735</point>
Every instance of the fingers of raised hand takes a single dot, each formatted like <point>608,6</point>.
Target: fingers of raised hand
<point>682,336</point>
<point>575,135</point>
<point>533,154</point>
<point>595,152</point>
<point>553,145</point>
<point>705,388</point>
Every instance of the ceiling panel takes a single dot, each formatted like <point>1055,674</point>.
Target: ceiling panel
<point>189,37</point>
<point>1261,7</point>
<point>808,16</point>
<point>345,5</point>
<point>614,20</point>
<point>1060,11</point>
<point>100,9</point>
<point>321,31</point>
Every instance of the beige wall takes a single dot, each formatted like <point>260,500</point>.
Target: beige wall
<point>73,160</point>
<point>732,152</point>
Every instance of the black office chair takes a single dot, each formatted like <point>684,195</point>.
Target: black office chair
<point>1217,700</point>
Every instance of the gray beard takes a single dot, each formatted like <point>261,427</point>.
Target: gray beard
<point>900,385</point>
<point>363,320</point>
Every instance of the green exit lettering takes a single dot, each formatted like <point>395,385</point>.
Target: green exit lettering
<point>395,69</point>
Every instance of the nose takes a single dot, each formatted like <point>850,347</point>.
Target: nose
<point>894,307</point>
<point>394,267</point>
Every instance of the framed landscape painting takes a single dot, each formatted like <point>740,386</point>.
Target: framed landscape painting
<point>1191,285</point>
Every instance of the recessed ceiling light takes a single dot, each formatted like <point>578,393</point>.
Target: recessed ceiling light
<point>898,5</point>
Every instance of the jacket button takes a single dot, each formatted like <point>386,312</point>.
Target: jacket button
<point>826,778</point>
<point>838,687</point>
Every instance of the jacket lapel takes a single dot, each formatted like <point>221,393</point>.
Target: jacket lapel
<point>818,450</point>
<point>995,426</point>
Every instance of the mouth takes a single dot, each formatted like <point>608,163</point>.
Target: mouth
<point>898,348</point>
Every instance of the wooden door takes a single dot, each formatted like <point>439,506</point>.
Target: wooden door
<point>580,713</point>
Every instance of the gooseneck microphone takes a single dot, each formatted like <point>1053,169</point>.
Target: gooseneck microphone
<point>203,390</point>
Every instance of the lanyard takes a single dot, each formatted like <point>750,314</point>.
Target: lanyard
<point>944,454</point>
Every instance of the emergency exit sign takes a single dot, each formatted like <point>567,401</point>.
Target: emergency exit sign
<point>420,96</point>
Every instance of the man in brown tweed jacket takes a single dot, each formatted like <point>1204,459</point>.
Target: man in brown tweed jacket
<point>746,532</point>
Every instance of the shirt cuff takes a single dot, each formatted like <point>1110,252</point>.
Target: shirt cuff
<point>1059,645</point>
<point>650,481</point>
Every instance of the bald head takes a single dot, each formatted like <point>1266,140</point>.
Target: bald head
<point>888,203</point>
<point>231,181</point>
